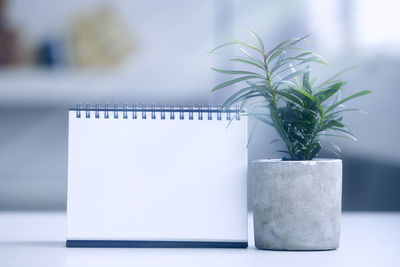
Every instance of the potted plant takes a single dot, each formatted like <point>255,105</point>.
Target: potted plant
<point>297,199</point>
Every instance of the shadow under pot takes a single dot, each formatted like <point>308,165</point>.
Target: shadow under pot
<point>297,204</point>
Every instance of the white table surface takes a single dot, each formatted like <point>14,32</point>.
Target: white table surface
<point>38,239</point>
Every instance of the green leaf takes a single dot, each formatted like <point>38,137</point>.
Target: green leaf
<point>231,99</point>
<point>277,71</point>
<point>241,109</point>
<point>281,44</point>
<point>279,129</point>
<point>249,46</point>
<point>249,56</point>
<point>263,87</point>
<point>303,55</point>
<point>365,92</point>
<point>291,67</point>
<point>343,110</point>
<point>225,84</point>
<point>287,83</point>
<point>294,74</point>
<point>264,121</point>
<point>332,123</point>
<point>332,147</point>
<point>240,95</point>
<point>325,94</point>
<point>220,46</point>
<point>340,136</point>
<point>336,76</point>
<point>348,132</point>
<point>258,65</point>
<point>278,64</point>
<point>237,72</point>
<point>274,55</point>
<point>315,59</point>
<point>289,42</point>
<point>314,150</point>
<point>290,97</point>
<point>313,81</point>
<point>306,82</point>
<point>273,141</point>
<point>260,42</point>
<point>244,97</point>
<point>297,40</point>
<point>251,134</point>
<point>308,95</point>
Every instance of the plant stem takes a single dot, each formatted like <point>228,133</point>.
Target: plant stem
<point>321,121</point>
<point>275,107</point>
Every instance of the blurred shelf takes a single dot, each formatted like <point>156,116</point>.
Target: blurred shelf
<point>40,87</point>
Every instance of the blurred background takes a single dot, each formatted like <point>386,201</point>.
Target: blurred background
<point>55,54</point>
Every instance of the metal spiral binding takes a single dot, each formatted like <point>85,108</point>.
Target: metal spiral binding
<point>181,110</point>
<point>125,110</point>
<point>97,111</point>
<point>172,112</point>
<point>200,112</point>
<point>153,112</point>
<point>163,112</point>
<point>78,110</point>
<point>134,113</point>
<point>115,111</point>
<point>144,111</point>
<point>106,111</point>
<point>87,110</point>
<point>219,114</point>
<point>125,113</point>
<point>191,109</point>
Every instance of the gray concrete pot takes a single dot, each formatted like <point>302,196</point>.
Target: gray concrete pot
<point>297,204</point>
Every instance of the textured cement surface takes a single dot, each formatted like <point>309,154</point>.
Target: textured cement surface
<point>297,204</point>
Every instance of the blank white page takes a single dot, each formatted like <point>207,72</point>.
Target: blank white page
<point>153,179</point>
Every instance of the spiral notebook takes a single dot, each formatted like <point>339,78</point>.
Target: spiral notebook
<point>153,176</point>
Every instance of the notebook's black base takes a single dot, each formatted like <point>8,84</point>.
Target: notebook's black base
<point>153,244</point>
